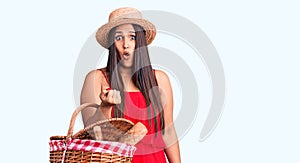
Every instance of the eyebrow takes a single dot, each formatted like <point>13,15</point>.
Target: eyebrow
<point>121,32</point>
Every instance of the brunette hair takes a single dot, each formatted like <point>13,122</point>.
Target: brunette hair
<point>143,78</point>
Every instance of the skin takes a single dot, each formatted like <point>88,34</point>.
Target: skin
<point>95,91</point>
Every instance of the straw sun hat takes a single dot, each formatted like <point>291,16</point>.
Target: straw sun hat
<point>121,16</point>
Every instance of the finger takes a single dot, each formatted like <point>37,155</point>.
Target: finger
<point>107,89</point>
<point>104,92</point>
<point>109,96</point>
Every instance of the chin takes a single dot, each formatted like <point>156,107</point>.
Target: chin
<point>126,65</point>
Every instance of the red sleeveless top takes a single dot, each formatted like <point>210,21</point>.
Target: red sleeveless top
<point>151,148</point>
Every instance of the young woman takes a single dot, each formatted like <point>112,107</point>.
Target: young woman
<point>129,88</point>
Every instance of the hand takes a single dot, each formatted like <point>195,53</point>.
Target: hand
<point>110,97</point>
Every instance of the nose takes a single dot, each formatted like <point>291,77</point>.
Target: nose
<point>126,43</point>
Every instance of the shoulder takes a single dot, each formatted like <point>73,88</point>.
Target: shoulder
<point>96,75</point>
<point>162,79</point>
<point>161,76</point>
<point>165,88</point>
<point>93,74</point>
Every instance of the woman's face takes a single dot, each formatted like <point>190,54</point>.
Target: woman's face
<point>125,43</point>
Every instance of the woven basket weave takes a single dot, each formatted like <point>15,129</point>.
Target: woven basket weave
<point>112,130</point>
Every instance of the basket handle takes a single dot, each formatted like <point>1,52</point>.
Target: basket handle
<point>74,116</point>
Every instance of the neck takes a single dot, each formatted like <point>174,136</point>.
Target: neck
<point>125,71</point>
<point>126,74</point>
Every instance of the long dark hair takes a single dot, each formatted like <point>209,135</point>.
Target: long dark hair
<point>143,77</point>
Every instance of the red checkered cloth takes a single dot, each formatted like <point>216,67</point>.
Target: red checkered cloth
<point>118,148</point>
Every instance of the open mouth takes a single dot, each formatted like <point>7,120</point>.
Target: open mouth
<point>126,55</point>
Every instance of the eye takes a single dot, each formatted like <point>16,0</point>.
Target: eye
<point>119,37</point>
<point>132,37</point>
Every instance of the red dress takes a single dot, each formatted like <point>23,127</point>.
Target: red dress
<point>151,148</point>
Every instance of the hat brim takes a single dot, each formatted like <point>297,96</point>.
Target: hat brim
<point>103,31</point>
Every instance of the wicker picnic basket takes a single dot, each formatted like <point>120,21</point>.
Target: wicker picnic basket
<point>82,146</point>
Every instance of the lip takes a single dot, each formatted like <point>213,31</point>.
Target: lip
<point>126,55</point>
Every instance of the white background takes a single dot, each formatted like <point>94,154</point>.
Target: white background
<point>257,41</point>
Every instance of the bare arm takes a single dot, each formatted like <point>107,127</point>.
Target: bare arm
<point>170,136</point>
<point>92,92</point>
